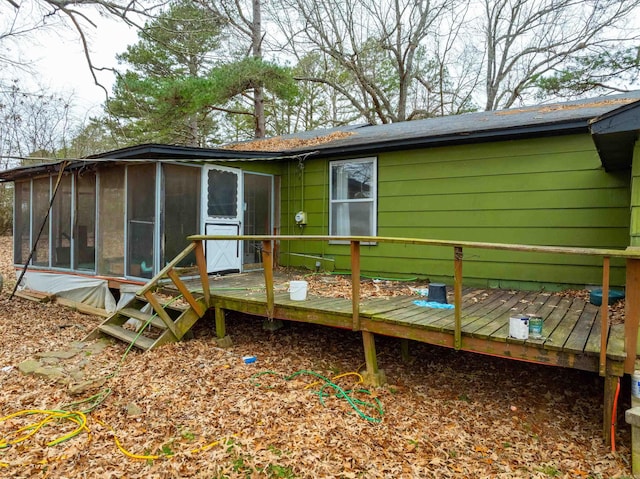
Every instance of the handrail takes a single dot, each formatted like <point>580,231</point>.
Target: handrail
<point>630,254</point>
<point>172,264</point>
<point>169,271</point>
<point>614,253</point>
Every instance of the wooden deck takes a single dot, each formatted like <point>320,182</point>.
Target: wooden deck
<point>571,332</point>
<point>478,323</point>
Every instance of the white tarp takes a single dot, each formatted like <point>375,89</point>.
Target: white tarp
<point>127,293</point>
<point>90,291</point>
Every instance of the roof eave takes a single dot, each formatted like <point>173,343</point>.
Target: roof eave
<point>157,151</point>
<point>551,129</point>
<point>615,134</point>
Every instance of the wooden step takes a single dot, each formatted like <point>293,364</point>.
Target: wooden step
<point>33,295</point>
<point>155,321</point>
<point>127,336</point>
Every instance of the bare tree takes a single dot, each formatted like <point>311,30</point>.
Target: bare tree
<point>32,125</point>
<point>380,47</point>
<point>525,39</point>
<point>20,19</point>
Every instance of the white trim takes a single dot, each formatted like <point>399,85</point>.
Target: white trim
<point>96,239</point>
<point>49,211</point>
<point>73,261</point>
<point>158,216</point>
<point>236,221</point>
<point>125,222</point>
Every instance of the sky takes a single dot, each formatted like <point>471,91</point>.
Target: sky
<point>59,65</point>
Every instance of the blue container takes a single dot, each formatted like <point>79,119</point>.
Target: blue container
<point>595,297</point>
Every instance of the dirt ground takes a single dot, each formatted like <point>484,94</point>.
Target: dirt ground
<point>194,410</point>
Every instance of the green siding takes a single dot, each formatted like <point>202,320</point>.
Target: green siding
<point>550,191</point>
<point>635,197</point>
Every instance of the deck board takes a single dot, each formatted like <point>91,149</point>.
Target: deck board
<point>570,336</point>
<point>546,311</point>
<point>558,337</point>
<point>580,334</point>
<point>500,316</point>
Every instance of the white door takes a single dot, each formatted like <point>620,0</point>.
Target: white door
<point>221,215</point>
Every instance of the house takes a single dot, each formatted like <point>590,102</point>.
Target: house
<point>565,174</point>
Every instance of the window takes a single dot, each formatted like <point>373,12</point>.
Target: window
<point>85,222</point>
<point>111,222</point>
<point>40,221</point>
<point>352,186</point>
<point>223,194</point>
<point>141,216</point>
<point>22,224</point>
<point>61,224</point>
<point>181,210</point>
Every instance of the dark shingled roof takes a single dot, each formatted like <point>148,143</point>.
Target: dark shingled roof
<point>613,121</point>
<point>541,120</point>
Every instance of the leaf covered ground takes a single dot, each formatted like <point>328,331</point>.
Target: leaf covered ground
<point>194,410</point>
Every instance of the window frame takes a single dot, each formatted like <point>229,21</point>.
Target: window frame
<point>372,199</point>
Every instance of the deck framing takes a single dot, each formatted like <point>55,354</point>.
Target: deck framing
<point>571,334</point>
<point>578,335</point>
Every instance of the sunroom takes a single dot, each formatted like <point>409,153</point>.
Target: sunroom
<point>105,221</point>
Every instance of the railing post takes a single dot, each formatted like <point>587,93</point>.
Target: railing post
<point>355,284</point>
<point>457,288</point>
<point>604,315</point>
<point>267,263</point>
<point>201,261</point>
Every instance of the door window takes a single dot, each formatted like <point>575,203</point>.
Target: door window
<point>222,198</point>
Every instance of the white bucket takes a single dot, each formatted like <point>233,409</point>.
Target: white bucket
<point>298,290</point>
<point>519,327</point>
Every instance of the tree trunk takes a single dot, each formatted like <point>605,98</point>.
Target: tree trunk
<point>256,47</point>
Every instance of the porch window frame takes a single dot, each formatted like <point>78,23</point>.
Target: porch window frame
<point>372,199</point>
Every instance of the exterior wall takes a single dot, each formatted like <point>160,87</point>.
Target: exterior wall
<point>113,253</point>
<point>634,230</point>
<point>550,191</point>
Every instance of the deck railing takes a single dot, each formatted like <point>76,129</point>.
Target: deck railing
<point>632,284</point>
<point>170,271</point>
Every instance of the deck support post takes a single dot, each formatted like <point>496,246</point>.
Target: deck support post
<point>404,350</point>
<point>457,287</point>
<point>610,386</point>
<point>222,340</point>
<point>615,370</point>
<point>267,262</point>
<point>355,284</point>
<point>373,376</point>
<point>631,312</point>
